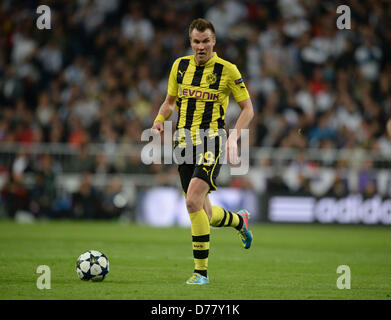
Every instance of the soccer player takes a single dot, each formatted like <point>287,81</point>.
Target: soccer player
<point>199,87</point>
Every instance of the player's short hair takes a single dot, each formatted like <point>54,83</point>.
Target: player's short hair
<point>201,25</point>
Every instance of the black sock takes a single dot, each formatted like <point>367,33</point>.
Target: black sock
<point>240,225</point>
<point>202,272</point>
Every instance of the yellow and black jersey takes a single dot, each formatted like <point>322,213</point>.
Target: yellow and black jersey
<point>202,93</point>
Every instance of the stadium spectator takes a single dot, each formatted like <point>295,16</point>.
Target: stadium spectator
<point>15,195</point>
<point>42,195</point>
<point>82,162</point>
<point>135,26</point>
<point>102,165</point>
<point>339,188</point>
<point>225,15</point>
<point>366,177</point>
<point>113,202</point>
<point>86,201</point>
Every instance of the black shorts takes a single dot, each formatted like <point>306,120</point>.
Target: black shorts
<point>203,162</point>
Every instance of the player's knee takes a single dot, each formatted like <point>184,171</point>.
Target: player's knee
<point>193,204</point>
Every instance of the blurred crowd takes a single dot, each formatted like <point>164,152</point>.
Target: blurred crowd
<point>99,75</point>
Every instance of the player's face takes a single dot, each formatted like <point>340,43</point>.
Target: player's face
<point>202,44</point>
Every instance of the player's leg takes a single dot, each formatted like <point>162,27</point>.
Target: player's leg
<point>208,207</point>
<point>195,192</point>
<point>225,218</point>
<point>208,170</point>
<point>220,217</point>
<point>200,229</point>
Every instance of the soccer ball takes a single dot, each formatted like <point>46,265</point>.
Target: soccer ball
<point>92,265</point>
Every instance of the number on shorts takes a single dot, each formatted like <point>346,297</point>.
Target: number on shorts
<point>207,159</point>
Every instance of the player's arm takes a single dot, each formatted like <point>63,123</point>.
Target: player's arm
<point>245,117</point>
<point>243,122</point>
<point>165,112</point>
<point>168,105</point>
<point>242,97</point>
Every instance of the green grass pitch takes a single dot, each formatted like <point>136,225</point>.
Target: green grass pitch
<point>286,261</point>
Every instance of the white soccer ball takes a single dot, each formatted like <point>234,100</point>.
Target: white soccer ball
<point>92,265</point>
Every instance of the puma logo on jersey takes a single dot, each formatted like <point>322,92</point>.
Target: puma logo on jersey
<point>181,73</point>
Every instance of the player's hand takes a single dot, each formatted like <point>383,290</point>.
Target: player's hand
<point>231,149</point>
<point>157,127</point>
